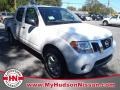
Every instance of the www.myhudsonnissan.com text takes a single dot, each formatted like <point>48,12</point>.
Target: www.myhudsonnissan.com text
<point>76,85</point>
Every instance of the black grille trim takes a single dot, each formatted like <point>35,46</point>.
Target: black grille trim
<point>96,46</point>
<point>103,61</point>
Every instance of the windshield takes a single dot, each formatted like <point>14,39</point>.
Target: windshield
<point>55,15</point>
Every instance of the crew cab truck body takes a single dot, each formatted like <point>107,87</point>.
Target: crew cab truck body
<point>114,20</point>
<point>65,43</point>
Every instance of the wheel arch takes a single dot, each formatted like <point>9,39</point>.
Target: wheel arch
<point>47,46</point>
<point>106,21</point>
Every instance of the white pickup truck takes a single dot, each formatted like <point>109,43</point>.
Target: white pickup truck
<point>65,43</point>
<point>114,20</point>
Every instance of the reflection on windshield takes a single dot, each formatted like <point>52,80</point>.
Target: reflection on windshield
<point>54,15</point>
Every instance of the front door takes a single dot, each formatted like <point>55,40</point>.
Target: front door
<point>30,25</point>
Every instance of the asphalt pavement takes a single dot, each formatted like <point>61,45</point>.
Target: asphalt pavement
<point>29,62</point>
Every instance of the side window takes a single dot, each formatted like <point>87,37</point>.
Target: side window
<point>20,13</point>
<point>31,17</point>
<point>115,17</point>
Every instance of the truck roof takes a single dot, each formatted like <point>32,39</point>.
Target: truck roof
<point>36,5</point>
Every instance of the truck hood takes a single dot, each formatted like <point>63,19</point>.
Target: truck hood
<point>79,31</point>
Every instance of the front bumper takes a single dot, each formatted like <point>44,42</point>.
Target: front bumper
<point>103,61</point>
<point>84,63</point>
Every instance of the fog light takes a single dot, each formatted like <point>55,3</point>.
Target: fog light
<point>83,67</point>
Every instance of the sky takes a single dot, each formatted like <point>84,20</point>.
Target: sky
<point>115,4</point>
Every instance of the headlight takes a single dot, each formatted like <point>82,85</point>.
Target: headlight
<point>82,47</point>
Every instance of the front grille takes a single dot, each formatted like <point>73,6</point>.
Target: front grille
<point>103,61</point>
<point>95,46</point>
<point>103,44</point>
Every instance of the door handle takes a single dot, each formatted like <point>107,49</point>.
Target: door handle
<point>23,27</point>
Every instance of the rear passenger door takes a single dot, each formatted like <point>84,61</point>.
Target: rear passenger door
<point>19,21</point>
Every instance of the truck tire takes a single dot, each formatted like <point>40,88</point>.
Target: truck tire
<point>105,23</point>
<point>54,63</point>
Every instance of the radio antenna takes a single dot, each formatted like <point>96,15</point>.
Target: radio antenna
<point>31,2</point>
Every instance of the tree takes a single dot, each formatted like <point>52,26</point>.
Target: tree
<point>94,6</point>
<point>50,2</point>
<point>10,5</point>
<point>71,8</point>
<point>111,11</point>
<point>3,5</point>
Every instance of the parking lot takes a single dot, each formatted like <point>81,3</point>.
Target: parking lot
<point>29,63</point>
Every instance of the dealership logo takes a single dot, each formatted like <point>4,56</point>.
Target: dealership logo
<point>13,78</point>
<point>107,43</point>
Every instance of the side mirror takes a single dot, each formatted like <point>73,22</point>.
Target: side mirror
<point>32,22</point>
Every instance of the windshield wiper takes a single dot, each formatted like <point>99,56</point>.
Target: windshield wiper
<point>74,21</point>
<point>61,22</point>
